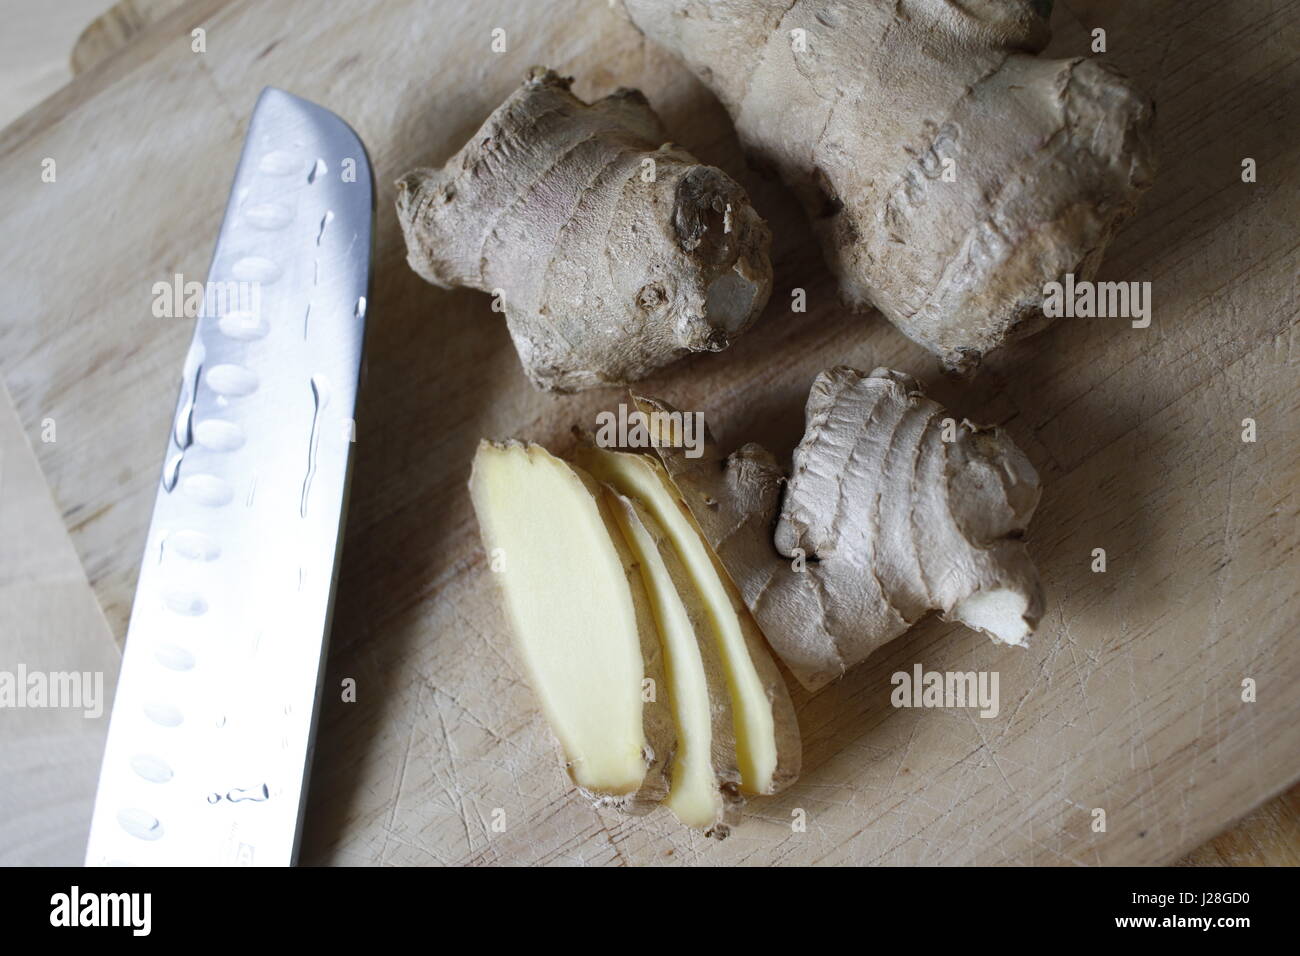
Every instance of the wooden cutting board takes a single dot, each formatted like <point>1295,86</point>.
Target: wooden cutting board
<point>1129,699</point>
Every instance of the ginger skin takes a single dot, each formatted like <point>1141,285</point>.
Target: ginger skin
<point>894,509</point>
<point>612,255</point>
<point>948,171</point>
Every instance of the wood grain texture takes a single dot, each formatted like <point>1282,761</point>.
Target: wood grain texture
<point>1269,836</point>
<point>34,45</point>
<point>116,29</point>
<point>50,622</point>
<point>1129,697</point>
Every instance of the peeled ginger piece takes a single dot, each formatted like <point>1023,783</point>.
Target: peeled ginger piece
<point>579,617</point>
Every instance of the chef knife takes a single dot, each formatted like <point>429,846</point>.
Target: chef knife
<point>210,742</point>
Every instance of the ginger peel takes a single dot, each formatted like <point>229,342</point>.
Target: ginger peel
<point>948,171</point>
<point>611,251</point>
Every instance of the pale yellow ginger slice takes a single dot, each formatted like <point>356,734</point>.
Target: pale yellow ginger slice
<point>766,731</point>
<point>705,779</point>
<point>580,619</point>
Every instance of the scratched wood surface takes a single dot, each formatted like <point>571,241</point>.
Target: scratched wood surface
<point>50,621</point>
<point>1128,700</point>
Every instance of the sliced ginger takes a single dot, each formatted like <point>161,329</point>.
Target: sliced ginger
<point>765,729</point>
<point>578,613</point>
<point>704,777</point>
<point>653,676</point>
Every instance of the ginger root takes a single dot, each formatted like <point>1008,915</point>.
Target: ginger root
<point>948,171</point>
<point>611,254</point>
<point>894,509</point>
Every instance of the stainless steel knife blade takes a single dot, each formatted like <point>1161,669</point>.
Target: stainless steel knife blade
<point>210,741</point>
